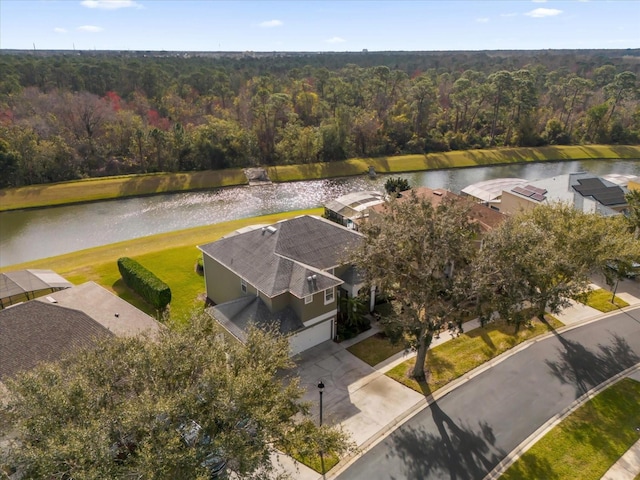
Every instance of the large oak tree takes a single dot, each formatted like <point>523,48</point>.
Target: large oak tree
<point>420,256</point>
<point>126,409</point>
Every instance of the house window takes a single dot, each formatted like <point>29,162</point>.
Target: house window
<point>243,286</point>
<point>329,296</point>
<point>308,299</point>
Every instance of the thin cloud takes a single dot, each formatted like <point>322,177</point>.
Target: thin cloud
<point>271,24</point>
<point>506,15</point>
<point>543,12</point>
<point>110,4</point>
<point>335,40</point>
<point>90,28</point>
<point>60,30</point>
<point>482,20</point>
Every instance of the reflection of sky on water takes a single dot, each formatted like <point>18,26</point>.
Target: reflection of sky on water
<point>33,234</point>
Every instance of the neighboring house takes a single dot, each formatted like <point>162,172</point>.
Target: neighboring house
<point>586,192</point>
<point>353,207</point>
<point>486,218</point>
<point>48,328</point>
<point>289,274</point>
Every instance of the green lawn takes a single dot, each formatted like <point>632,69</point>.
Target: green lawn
<point>600,299</point>
<point>375,349</point>
<point>170,256</point>
<point>460,355</point>
<point>131,185</point>
<point>316,462</point>
<point>588,442</point>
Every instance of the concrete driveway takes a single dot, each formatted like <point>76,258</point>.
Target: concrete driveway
<point>357,396</point>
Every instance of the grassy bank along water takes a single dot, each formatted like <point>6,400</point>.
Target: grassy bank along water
<point>170,256</point>
<point>35,196</point>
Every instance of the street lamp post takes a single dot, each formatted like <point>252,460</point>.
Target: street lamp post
<point>320,389</point>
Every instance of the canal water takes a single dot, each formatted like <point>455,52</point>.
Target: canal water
<point>33,234</point>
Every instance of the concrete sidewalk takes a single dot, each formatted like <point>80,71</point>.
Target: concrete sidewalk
<point>366,403</point>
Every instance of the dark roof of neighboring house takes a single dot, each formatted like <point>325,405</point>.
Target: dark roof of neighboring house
<point>35,332</point>
<point>237,315</point>
<point>282,257</point>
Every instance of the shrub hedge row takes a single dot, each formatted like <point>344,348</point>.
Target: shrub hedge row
<point>144,283</point>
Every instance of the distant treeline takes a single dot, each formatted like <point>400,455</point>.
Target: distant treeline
<point>73,115</point>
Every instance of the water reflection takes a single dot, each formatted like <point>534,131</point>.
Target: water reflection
<point>28,235</point>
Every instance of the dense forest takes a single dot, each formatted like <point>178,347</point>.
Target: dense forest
<point>69,115</point>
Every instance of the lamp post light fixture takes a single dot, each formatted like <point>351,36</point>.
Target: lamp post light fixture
<point>320,389</point>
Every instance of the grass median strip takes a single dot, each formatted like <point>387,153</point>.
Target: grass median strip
<point>589,441</point>
<point>600,299</point>
<point>460,355</point>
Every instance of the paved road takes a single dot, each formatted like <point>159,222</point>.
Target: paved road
<point>466,433</point>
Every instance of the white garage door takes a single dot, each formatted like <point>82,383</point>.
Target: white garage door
<point>311,336</point>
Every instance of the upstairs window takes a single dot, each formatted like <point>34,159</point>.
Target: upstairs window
<point>308,299</point>
<point>243,286</point>
<point>329,296</point>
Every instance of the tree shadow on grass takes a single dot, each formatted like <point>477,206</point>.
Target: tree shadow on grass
<point>585,369</point>
<point>458,451</point>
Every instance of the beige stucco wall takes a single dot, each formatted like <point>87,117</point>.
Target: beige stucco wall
<point>511,203</point>
<point>222,285</point>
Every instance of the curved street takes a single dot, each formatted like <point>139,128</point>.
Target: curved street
<point>466,433</point>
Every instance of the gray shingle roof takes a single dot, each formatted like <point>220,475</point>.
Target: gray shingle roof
<point>34,332</point>
<point>281,257</point>
<point>237,315</point>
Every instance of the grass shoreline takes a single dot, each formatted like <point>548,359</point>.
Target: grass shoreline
<point>125,186</point>
<point>171,256</point>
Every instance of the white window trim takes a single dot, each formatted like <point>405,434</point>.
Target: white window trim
<point>243,285</point>
<point>329,295</point>
<point>308,299</point>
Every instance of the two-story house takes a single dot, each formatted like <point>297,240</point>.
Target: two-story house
<point>289,274</point>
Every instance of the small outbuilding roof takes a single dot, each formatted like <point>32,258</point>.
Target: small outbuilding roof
<point>25,282</point>
<point>490,190</point>
<point>353,204</point>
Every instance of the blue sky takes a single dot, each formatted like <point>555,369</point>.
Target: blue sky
<point>298,25</point>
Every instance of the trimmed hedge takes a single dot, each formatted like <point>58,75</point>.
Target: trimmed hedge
<point>144,283</point>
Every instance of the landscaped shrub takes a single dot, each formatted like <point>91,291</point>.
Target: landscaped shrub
<point>199,266</point>
<point>144,283</point>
